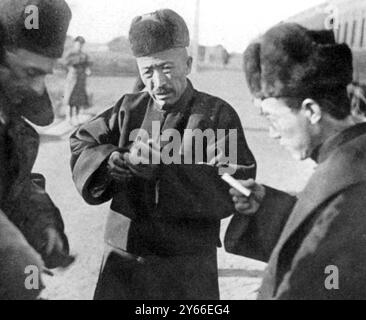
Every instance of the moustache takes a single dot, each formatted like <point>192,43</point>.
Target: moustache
<point>164,91</point>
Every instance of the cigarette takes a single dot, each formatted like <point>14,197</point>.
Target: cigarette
<point>236,185</point>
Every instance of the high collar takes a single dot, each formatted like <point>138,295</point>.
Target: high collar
<point>324,151</point>
<point>182,103</point>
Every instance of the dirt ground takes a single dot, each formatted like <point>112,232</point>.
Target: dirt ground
<point>239,277</point>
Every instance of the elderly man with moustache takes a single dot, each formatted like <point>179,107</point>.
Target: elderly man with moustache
<point>163,231</point>
<point>315,243</point>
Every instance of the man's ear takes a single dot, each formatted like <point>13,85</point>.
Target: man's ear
<point>189,65</point>
<point>357,113</point>
<point>312,110</point>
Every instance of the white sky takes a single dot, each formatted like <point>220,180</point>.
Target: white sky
<point>229,22</point>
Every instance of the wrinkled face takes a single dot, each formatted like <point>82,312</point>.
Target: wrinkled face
<point>165,75</point>
<point>291,128</point>
<point>28,71</point>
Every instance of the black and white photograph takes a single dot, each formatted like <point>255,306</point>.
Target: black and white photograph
<point>205,151</point>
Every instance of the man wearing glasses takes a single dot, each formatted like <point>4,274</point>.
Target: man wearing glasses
<point>315,244</point>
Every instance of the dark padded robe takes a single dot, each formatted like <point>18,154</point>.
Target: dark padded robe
<point>325,227</point>
<point>161,235</point>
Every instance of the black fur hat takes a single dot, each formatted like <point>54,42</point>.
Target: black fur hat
<point>158,31</point>
<point>292,61</point>
<point>49,38</point>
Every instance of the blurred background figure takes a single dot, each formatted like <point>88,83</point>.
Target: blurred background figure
<point>76,96</point>
<point>356,92</point>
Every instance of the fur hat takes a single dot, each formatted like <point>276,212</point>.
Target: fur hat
<point>158,31</point>
<point>49,38</point>
<point>292,61</point>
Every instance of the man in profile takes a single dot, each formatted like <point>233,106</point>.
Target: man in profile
<point>315,243</point>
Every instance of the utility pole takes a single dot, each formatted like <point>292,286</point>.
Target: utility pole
<point>196,36</point>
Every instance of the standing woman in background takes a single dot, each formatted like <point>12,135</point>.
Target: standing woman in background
<point>76,96</point>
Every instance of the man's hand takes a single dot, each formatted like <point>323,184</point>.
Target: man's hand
<point>144,171</point>
<point>55,254</point>
<point>139,160</point>
<point>118,168</point>
<point>245,205</point>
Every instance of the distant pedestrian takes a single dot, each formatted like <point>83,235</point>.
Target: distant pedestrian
<point>76,96</point>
